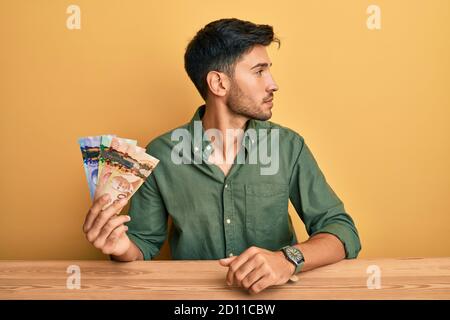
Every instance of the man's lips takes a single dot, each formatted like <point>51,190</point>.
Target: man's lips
<point>269,101</point>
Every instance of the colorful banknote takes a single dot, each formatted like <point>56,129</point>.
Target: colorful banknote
<point>90,150</point>
<point>105,142</point>
<point>104,169</point>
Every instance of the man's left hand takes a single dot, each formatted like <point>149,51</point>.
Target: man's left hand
<point>256,269</point>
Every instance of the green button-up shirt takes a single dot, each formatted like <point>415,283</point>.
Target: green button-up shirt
<point>215,216</point>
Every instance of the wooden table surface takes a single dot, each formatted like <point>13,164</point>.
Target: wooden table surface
<point>403,278</point>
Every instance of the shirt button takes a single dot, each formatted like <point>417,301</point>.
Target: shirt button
<point>226,186</point>
<point>253,141</point>
<point>228,221</point>
<point>231,254</point>
<point>208,147</point>
<point>196,149</point>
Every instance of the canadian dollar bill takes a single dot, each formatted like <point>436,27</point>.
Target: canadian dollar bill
<point>104,169</point>
<point>90,150</point>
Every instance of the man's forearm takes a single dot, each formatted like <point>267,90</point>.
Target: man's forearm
<point>133,253</point>
<point>321,249</point>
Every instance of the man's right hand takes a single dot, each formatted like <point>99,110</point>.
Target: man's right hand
<point>105,229</point>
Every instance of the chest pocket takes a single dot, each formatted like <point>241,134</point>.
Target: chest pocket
<point>266,215</point>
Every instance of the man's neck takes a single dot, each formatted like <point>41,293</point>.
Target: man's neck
<point>218,116</point>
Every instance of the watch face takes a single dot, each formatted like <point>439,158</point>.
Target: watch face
<point>294,254</point>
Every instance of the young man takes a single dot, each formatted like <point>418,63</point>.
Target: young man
<point>225,201</point>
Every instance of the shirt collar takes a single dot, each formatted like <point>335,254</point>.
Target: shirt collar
<point>205,146</point>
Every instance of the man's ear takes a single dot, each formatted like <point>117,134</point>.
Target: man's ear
<point>218,83</point>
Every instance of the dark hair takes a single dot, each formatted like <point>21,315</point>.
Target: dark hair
<point>219,45</point>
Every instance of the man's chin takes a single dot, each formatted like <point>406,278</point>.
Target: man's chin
<point>264,116</point>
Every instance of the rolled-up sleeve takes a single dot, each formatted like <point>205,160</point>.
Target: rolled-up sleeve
<point>148,225</point>
<point>317,204</point>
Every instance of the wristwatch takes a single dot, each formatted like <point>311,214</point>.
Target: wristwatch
<point>295,256</point>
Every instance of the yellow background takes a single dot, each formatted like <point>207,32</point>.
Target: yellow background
<point>374,107</point>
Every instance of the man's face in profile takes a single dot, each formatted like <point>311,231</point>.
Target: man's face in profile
<point>252,86</point>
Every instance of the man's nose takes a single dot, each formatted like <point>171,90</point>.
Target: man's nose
<point>272,86</point>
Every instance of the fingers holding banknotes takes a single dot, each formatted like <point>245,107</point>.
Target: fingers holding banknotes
<point>115,168</point>
<point>94,210</point>
<point>105,229</point>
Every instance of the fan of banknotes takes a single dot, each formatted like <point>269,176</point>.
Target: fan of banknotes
<point>114,165</point>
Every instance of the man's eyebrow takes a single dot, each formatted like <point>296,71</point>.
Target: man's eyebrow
<point>261,65</point>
